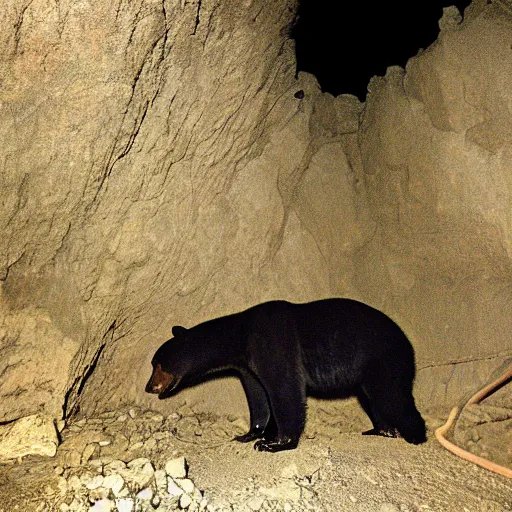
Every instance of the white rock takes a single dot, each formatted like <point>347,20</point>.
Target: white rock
<point>287,507</point>
<point>104,442</point>
<point>185,501</point>
<point>256,502</point>
<point>64,507</point>
<point>160,479</point>
<point>92,482</point>
<point>125,504</point>
<point>114,467</point>
<point>139,472</point>
<point>186,484</point>
<point>100,493</point>
<point>173,488</point>
<point>32,435</point>
<point>145,495</point>
<point>114,482</point>
<point>102,506</point>
<point>176,468</point>
<point>133,413</point>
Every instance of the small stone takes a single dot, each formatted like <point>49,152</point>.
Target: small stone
<point>122,418</point>
<point>96,464</point>
<point>256,502</point>
<point>186,484</point>
<point>88,452</point>
<point>104,505</point>
<point>156,501</point>
<point>157,418</point>
<point>185,501</point>
<point>62,485</point>
<point>125,504</point>
<point>72,458</point>
<point>287,507</point>
<point>173,489</point>
<point>58,470</point>
<point>176,468</point>
<point>150,444</point>
<point>114,482</point>
<point>100,493</point>
<point>141,470</point>
<point>133,413</point>
<point>145,495</point>
<point>74,482</point>
<point>114,467</point>
<point>388,507</point>
<point>64,507</point>
<point>352,499</point>
<point>92,482</point>
<point>160,479</point>
<point>104,442</point>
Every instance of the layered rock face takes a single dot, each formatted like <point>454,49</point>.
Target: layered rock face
<point>157,169</point>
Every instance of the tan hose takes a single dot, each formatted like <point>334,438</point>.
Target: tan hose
<point>477,397</point>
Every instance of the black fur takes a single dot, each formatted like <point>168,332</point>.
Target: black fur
<point>283,350</point>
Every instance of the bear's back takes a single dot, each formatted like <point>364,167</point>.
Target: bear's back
<point>341,338</point>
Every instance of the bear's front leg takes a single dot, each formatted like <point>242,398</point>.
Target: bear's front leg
<point>258,407</point>
<point>287,394</point>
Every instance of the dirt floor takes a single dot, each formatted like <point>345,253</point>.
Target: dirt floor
<point>333,469</point>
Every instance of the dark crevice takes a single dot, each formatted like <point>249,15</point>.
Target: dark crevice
<point>344,44</point>
<point>198,19</point>
<point>79,383</point>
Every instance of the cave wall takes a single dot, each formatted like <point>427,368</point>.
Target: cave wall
<point>158,170</point>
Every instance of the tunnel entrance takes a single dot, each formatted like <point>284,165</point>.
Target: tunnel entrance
<point>344,44</point>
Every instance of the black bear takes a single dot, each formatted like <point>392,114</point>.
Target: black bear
<point>283,350</point>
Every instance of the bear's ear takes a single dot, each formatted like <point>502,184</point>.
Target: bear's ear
<point>178,330</point>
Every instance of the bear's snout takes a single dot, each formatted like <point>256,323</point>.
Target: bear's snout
<point>159,381</point>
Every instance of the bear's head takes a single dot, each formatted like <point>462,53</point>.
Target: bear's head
<point>170,364</point>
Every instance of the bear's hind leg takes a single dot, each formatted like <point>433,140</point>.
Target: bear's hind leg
<point>393,403</point>
<point>258,407</point>
<point>379,426</point>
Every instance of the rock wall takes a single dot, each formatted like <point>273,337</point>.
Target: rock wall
<point>158,170</point>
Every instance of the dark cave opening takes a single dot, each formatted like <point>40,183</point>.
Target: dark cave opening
<point>344,44</point>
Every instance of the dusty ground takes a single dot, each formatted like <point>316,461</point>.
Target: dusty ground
<point>334,468</point>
